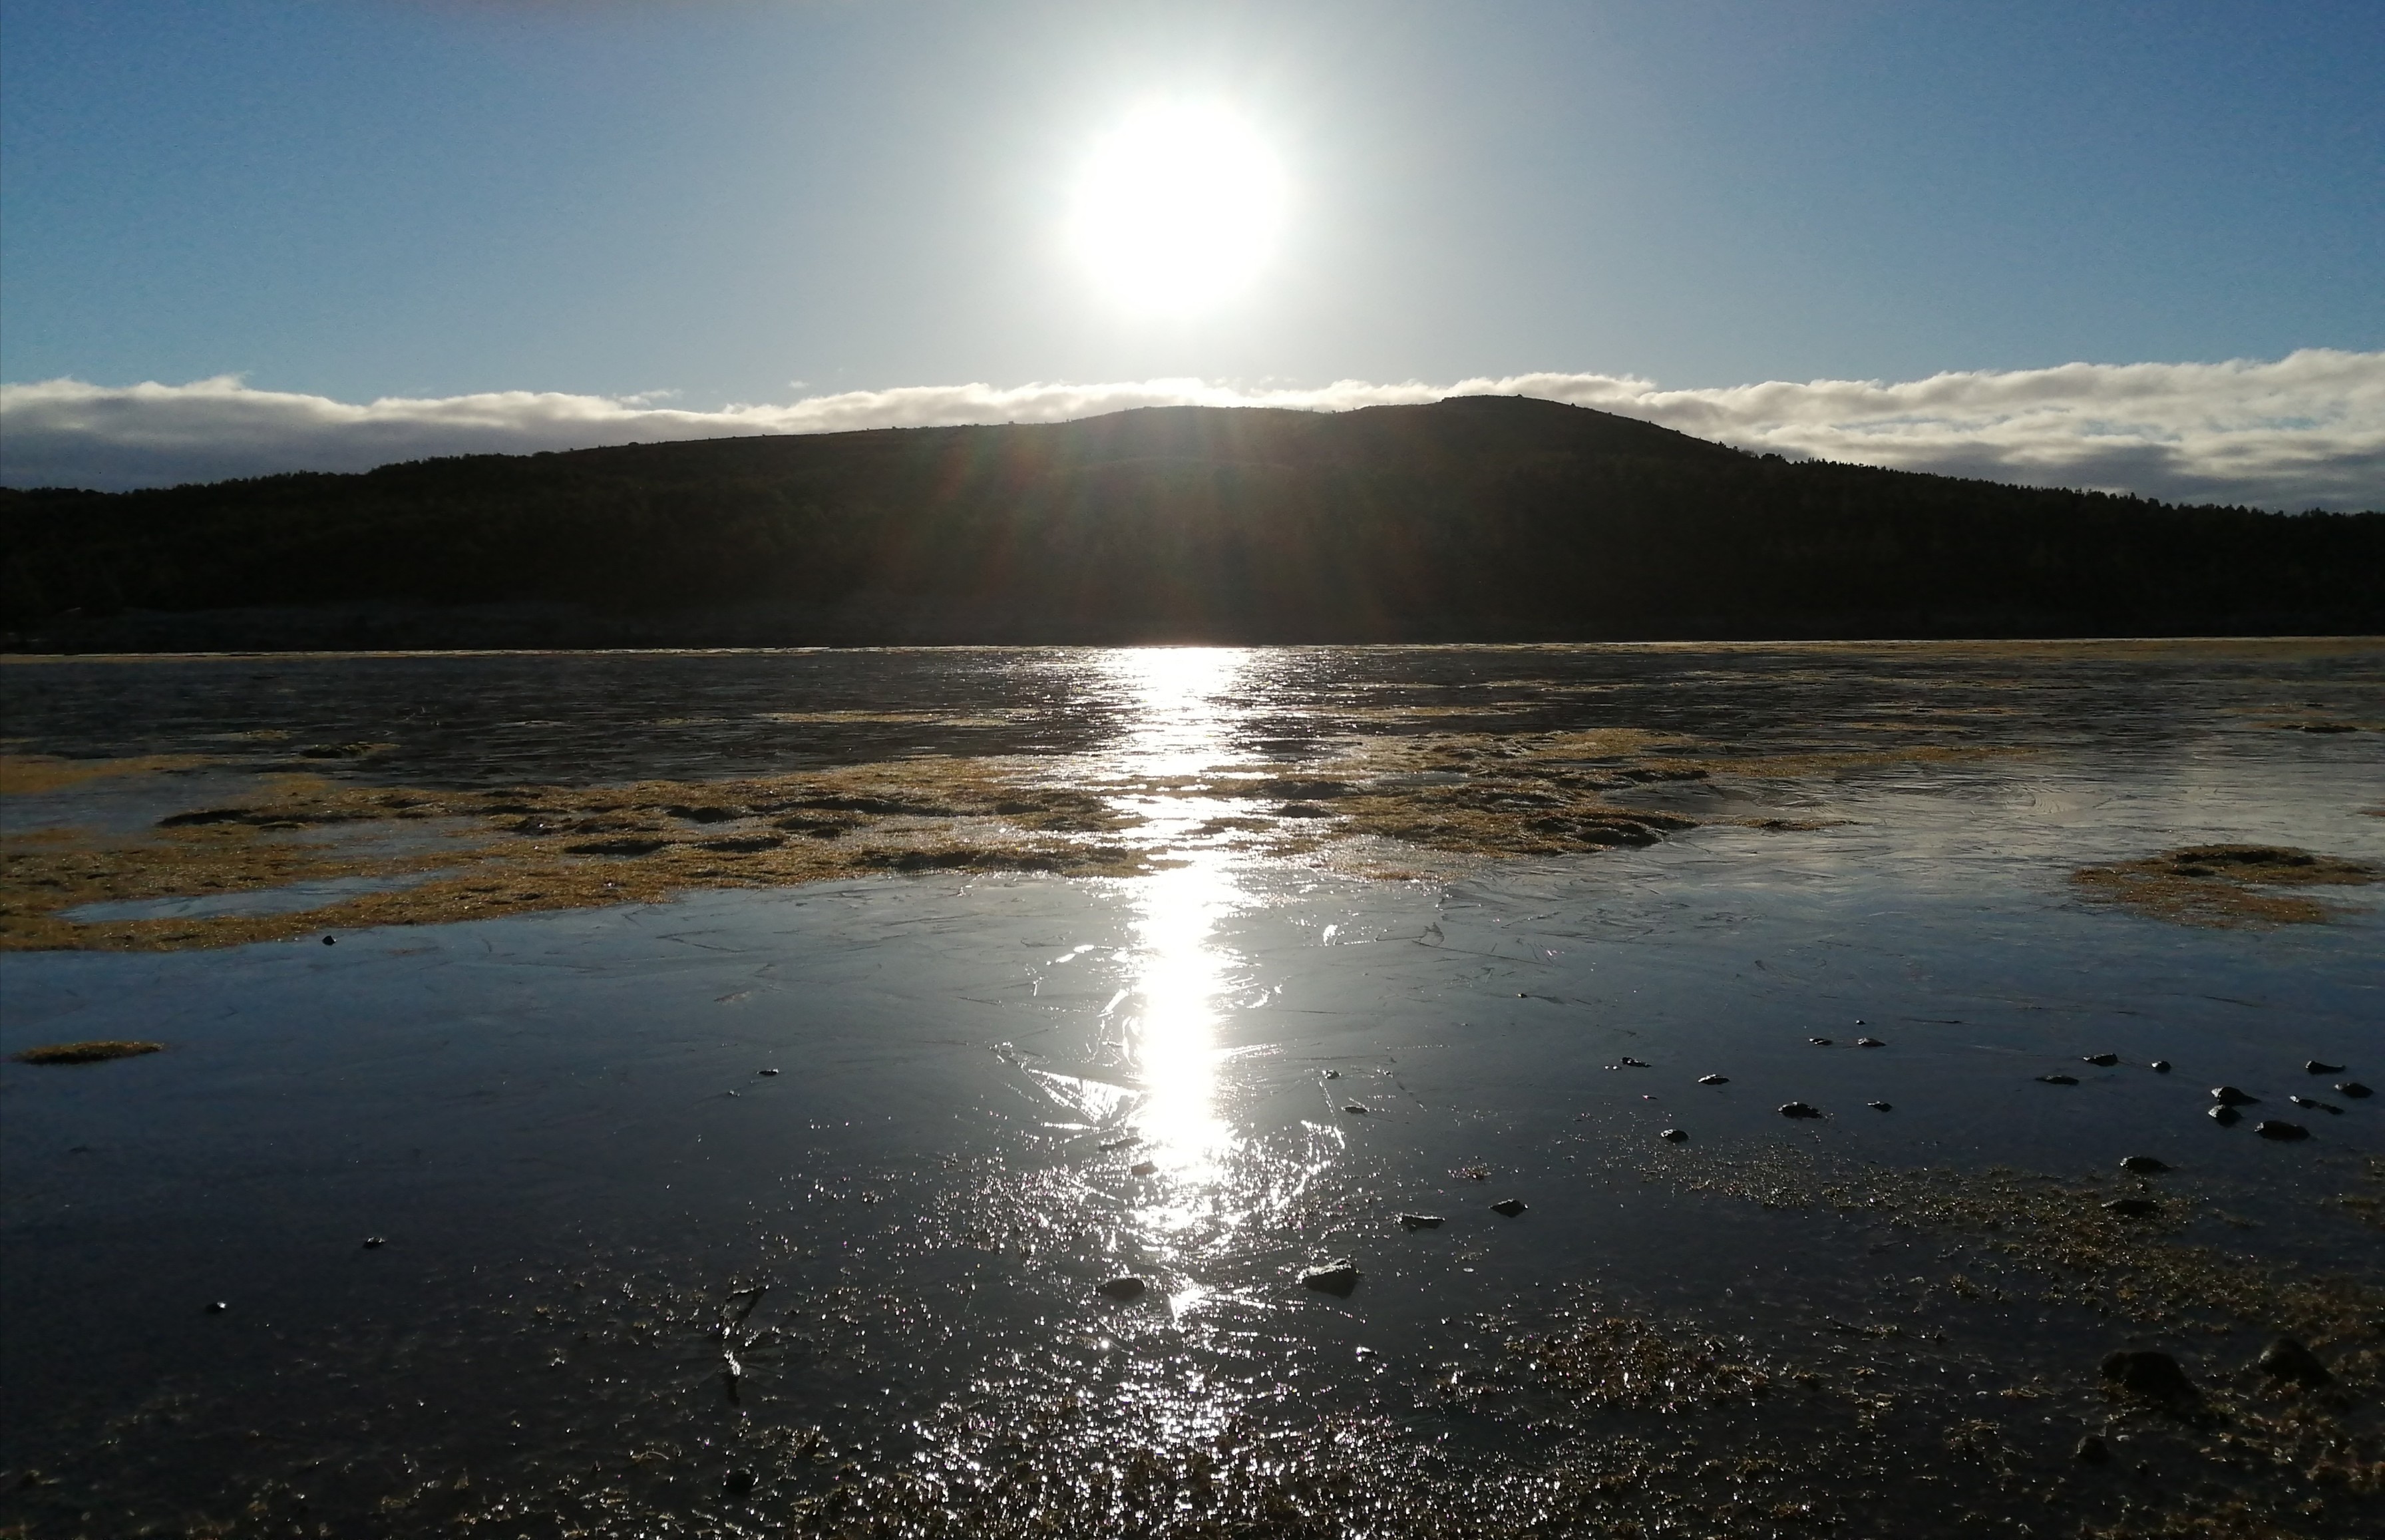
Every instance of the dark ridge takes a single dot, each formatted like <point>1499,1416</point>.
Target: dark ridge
<point>1475,519</point>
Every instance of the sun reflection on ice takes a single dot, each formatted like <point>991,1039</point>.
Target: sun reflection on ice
<point>1183,701</point>
<point>1186,708</point>
<point>1183,761</point>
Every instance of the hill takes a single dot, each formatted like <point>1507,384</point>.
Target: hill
<point>1471,518</point>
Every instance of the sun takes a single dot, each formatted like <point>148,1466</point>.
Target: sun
<point>1178,210</point>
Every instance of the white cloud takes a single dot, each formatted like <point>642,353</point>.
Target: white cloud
<point>2305,430</point>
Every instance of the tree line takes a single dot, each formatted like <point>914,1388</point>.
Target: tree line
<point>1474,518</point>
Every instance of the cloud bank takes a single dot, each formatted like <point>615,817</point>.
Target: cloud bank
<point>2305,430</point>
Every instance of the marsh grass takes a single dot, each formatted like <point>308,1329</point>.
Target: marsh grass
<point>31,774</point>
<point>1400,805</point>
<point>2224,886</point>
<point>527,849</point>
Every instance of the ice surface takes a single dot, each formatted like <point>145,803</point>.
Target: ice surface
<point>561,1126</point>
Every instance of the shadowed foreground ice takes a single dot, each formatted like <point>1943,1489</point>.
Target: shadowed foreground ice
<point>486,1202</point>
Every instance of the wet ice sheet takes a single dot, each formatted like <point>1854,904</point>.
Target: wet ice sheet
<point>497,720</point>
<point>584,1094</point>
<point>561,1127</point>
<point>290,898</point>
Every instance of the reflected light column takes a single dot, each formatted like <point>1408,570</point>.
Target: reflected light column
<point>1180,727</point>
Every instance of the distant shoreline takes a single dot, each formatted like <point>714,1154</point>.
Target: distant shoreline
<point>1475,520</point>
<point>2346,641</point>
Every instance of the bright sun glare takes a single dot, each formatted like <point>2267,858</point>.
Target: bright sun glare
<point>1178,209</point>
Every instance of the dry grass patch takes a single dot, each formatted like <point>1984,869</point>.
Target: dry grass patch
<point>2224,886</point>
<point>30,774</point>
<point>530,848</point>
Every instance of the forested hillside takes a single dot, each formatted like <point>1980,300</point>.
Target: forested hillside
<point>1474,518</point>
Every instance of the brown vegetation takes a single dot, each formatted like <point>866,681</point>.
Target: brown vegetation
<point>2224,886</point>
<point>529,848</point>
<point>31,774</point>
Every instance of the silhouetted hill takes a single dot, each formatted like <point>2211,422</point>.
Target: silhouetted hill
<point>1472,519</point>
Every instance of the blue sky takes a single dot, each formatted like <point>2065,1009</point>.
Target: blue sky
<point>759,201</point>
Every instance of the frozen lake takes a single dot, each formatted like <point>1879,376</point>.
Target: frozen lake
<point>1369,933</point>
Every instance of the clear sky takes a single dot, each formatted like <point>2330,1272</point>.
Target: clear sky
<point>756,202</point>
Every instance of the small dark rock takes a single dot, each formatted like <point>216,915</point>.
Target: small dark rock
<point>330,941</point>
<point>1125,1287</point>
<point>2313,1067</point>
<point>1879,1106</point>
<point>374,1243</point>
<point>2228,1096</point>
<point>2104,1060</point>
<point>1673,1136</point>
<point>2315,1104</point>
<point>766,1071</point>
<point>1510,1207</point>
<point>216,1307</point>
<point>2155,1376</point>
<point>1354,1106</point>
<point>2144,1165</point>
<point>91,1051</point>
<point>1799,1109</point>
<point>1869,1043</point>
<point>2091,1450</point>
<point>2059,1080</point>
<point>1630,1063</point>
<point>1142,1168</point>
<point>2289,1359</point>
<point>738,1482</point>
<point>1420,1222</point>
<point>1714,1079</point>
<point>2132,1207</point>
<point>1333,1074</point>
<point>2352,1088</point>
<point>1819,1042</point>
<point>2271,1128</point>
<point>2226,1116</point>
<point>1336,1277</point>
<point>2159,1066</point>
